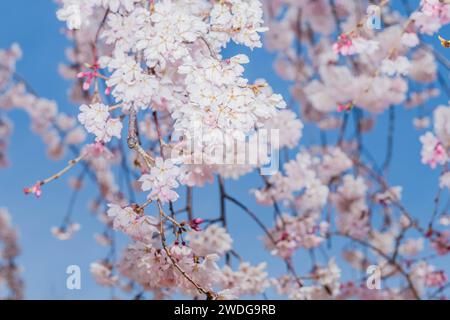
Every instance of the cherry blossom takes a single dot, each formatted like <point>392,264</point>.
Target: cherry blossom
<point>432,16</point>
<point>433,153</point>
<point>289,125</point>
<point>65,233</point>
<point>344,45</point>
<point>161,180</point>
<point>247,280</point>
<point>138,227</point>
<point>102,274</point>
<point>213,239</point>
<point>36,190</point>
<point>10,273</point>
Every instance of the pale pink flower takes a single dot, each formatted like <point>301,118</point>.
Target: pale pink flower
<point>213,239</point>
<point>421,123</point>
<point>36,190</point>
<point>410,39</point>
<point>247,280</point>
<point>161,180</point>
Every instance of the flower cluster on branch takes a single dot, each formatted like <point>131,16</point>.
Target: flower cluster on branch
<point>162,102</point>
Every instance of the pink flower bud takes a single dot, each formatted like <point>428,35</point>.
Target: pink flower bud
<point>198,221</point>
<point>194,224</point>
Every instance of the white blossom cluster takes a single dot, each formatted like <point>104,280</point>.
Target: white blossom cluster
<point>166,56</point>
<point>164,104</point>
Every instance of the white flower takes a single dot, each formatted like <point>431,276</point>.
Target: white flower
<point>403,65</point>
<point>334,162</point>
<point>329,276</point>
<point>129,82</point>
<point>411,247</point>
<point>291,233</point>
<point>113,129</point>
<point>444,180</point>
<point>388,67</point>
<point>161,180</point>
<point>115,5</point>
<point>365,46</point>
<point>226,294</point>
<point>410,39</point>
<point>171,28</point>
<point>139,227</point>
<point>444,220</point>
<point>433,153</point>
<point>400,65</point>
<point>441,117</point>
<point>247,280</point>
<point>67,232</point>
<point>239,20</point>
<point>93,117</point>
<point>315,196</point>
<point>421,123</point>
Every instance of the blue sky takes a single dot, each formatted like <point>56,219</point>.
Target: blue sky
<point>34,26</point>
